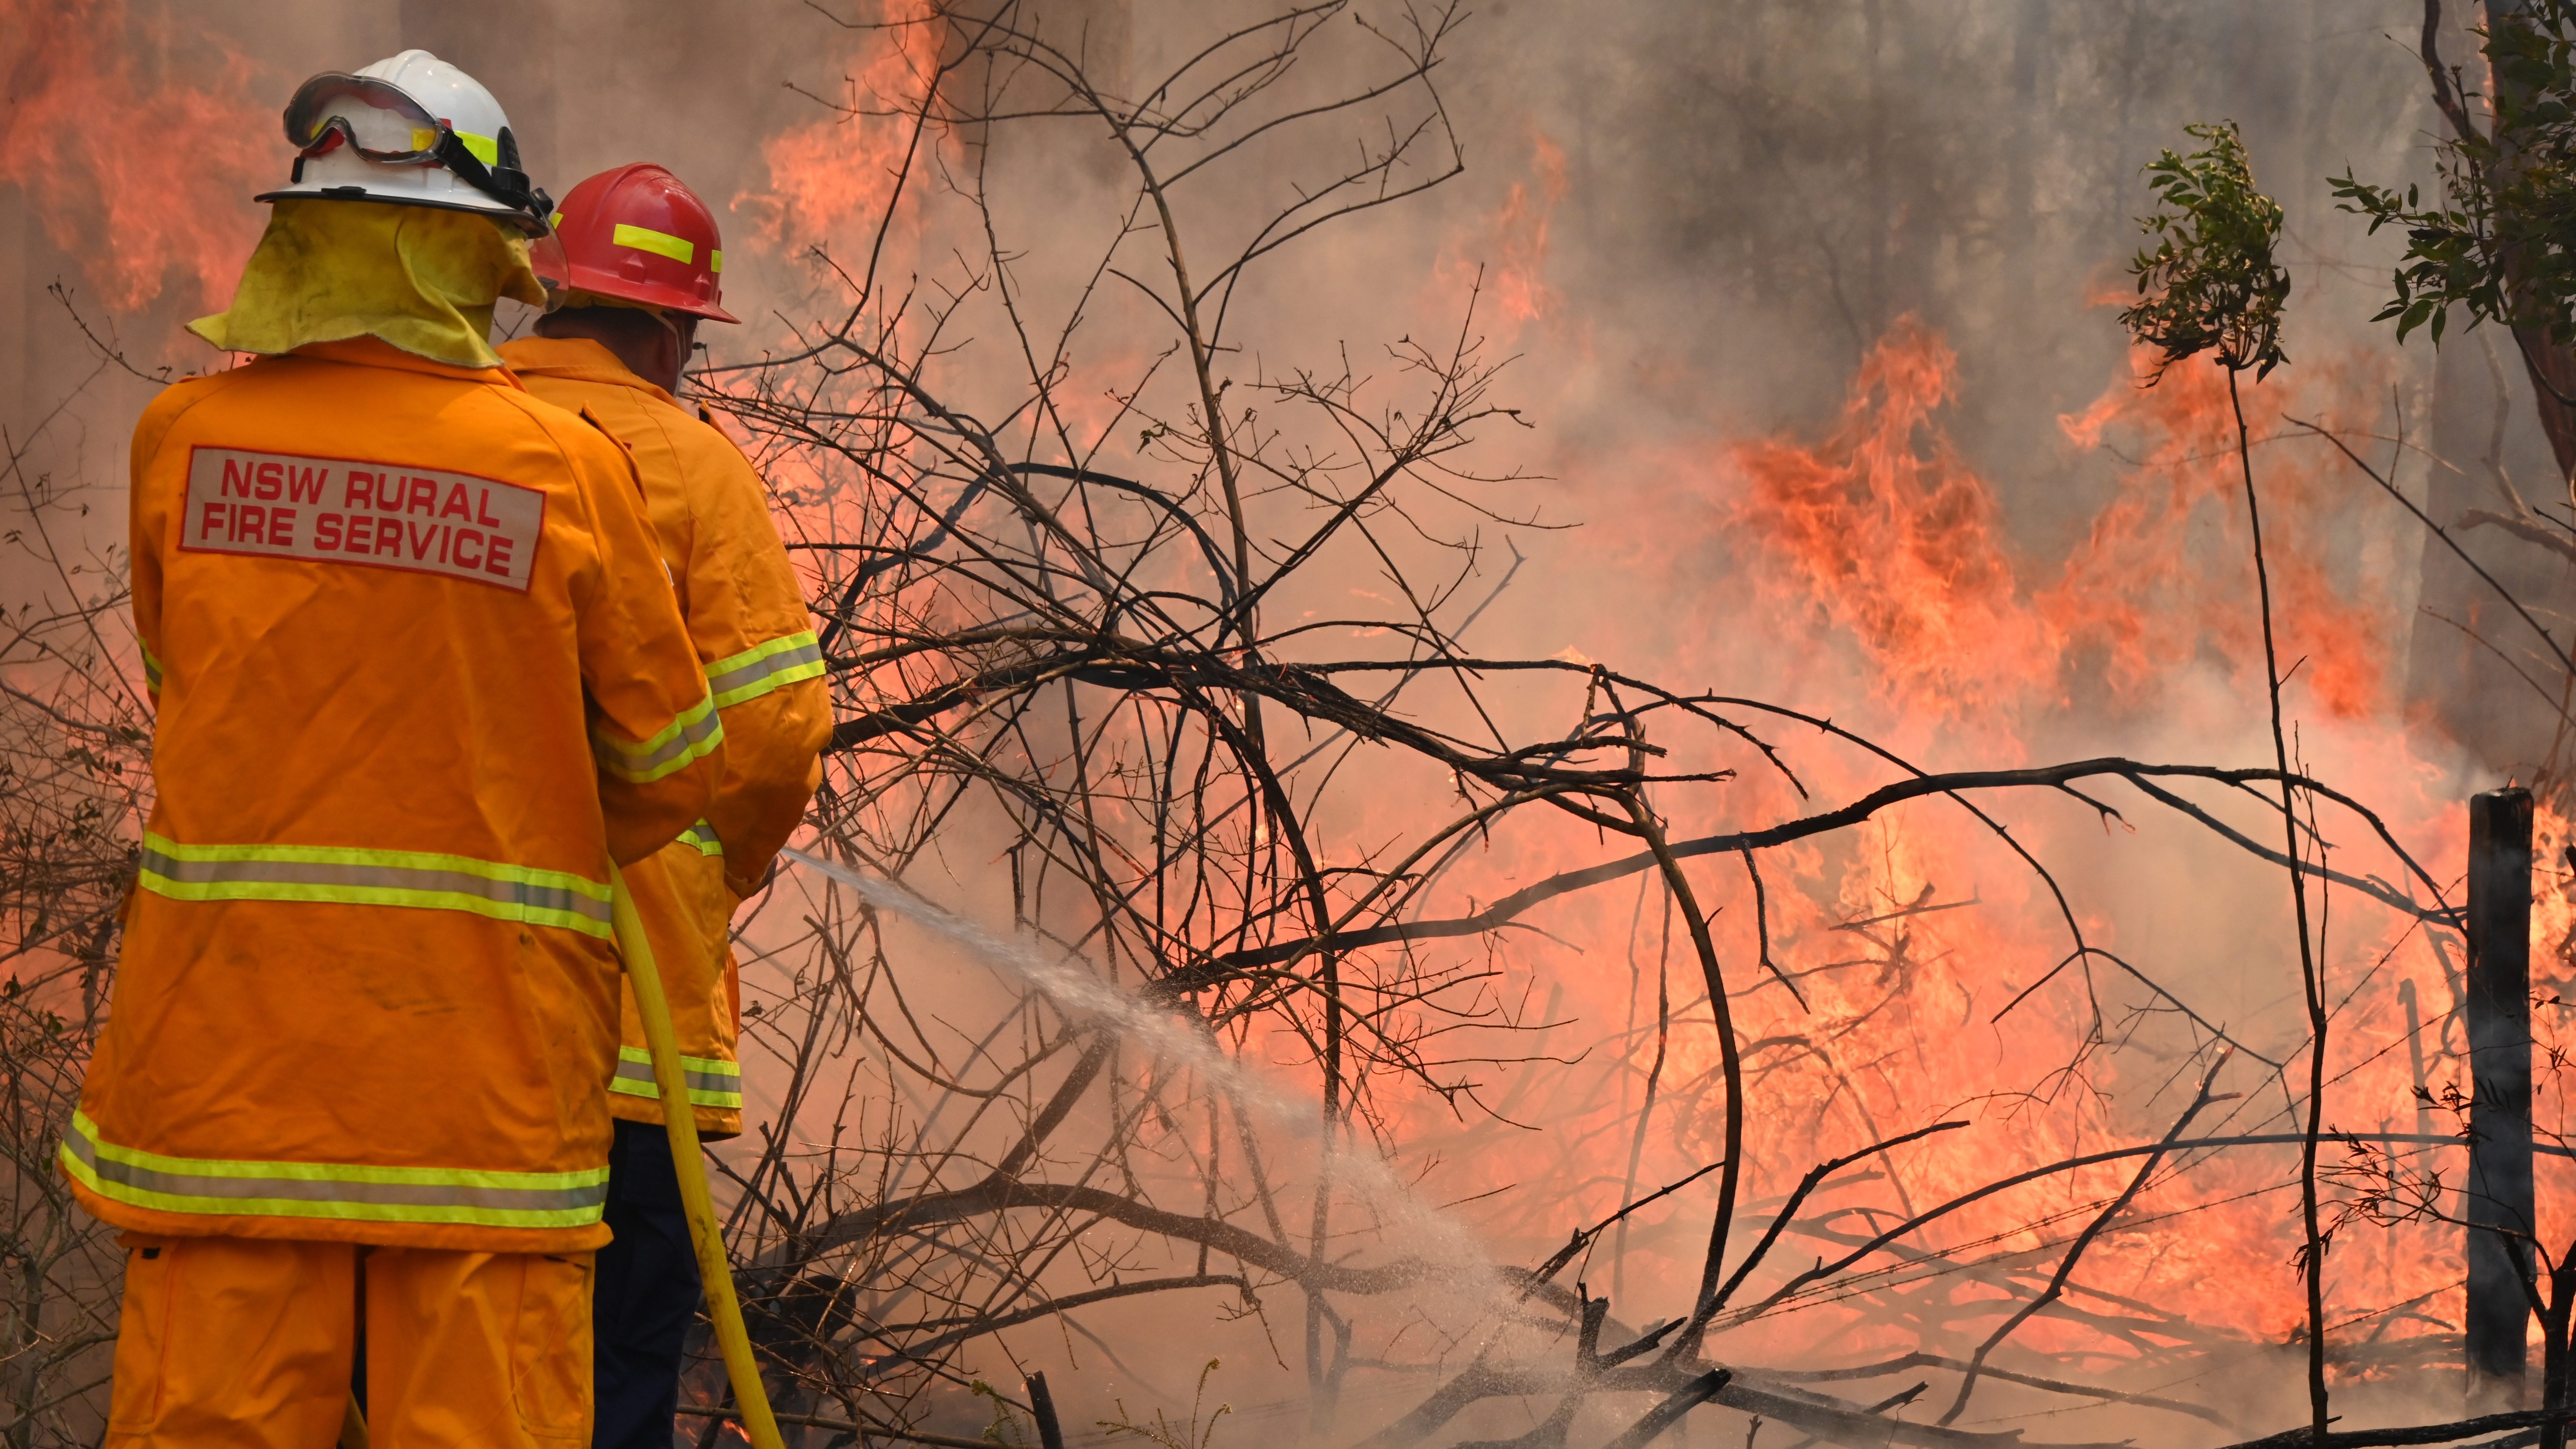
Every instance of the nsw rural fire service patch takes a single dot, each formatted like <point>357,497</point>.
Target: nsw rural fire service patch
<point>346,510</point>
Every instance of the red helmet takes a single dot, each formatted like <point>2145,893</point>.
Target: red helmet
<point>639,235</point>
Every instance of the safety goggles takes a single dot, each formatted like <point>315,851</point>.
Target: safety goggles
<point>381,122</point>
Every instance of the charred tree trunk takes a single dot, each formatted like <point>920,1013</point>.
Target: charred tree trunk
<point>2498,1206</point>
<point>2554,1347</point>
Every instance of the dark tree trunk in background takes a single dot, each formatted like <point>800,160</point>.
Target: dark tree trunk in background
<point>2551,368</point>
<point>2499,1193</point>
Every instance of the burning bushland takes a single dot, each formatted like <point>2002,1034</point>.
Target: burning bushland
<point>1230,931</point>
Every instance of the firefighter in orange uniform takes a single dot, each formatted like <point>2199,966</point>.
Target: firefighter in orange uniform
<point>420,677</point>
<point>643,258</point>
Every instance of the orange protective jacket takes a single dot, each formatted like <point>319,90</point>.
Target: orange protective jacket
<point>747,616</point>
<point>419,675</point>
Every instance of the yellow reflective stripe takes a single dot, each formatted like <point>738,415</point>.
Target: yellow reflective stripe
<point>715,260</point>
<point>701,837</point>
<point>646,239</point>
<point>695,733</point>
<point>485,149</point>
<point>758,670</point>
<point>357,1191</point>
<point>713,1081</point>
<point>151,664</point>
<point>351,876</point>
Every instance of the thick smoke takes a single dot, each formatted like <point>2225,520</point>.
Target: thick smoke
<point>1696,226</point>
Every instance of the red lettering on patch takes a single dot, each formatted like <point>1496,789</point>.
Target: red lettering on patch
<point>503,551</point>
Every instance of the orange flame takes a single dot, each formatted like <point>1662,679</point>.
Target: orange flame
<point>1894,540</point>
<point>839,172</point>
<point>140,162</point>
<point>1511,244</point>
<point>1878,542</point>
<point>1884,533</point>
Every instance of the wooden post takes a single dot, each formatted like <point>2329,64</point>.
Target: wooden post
<point>1042,1409</point>
<point>2498,1194</point>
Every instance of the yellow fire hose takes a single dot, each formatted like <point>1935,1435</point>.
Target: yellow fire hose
<point>705,1232</point>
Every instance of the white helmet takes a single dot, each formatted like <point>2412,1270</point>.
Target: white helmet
<point>412,130</point>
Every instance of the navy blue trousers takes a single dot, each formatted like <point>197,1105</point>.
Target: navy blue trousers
<point>647,1294</point>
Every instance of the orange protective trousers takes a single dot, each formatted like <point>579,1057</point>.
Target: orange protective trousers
<point>242,1343</point>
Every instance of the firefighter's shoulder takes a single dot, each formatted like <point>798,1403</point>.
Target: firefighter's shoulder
<point>707,453</point>
<point>587,444</point>
<point>173,402</point>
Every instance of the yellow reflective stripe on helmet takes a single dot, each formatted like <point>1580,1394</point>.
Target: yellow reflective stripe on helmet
<point>695,733</point>
<point>217,1186</point>
<point>701,838</point>
<point>756,671</point>
<point>485,149</point>
<point>713,1082</point>
<point>715,260</point>
<point>350,876</point>
<point>646,239</point>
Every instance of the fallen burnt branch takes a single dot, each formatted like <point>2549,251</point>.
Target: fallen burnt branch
<point>1905,1362</point>
<point>1819,1415</point>
<point>2448,1433</point>
<point>1858,1428</point>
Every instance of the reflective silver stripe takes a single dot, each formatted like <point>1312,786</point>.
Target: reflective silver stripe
<point>296,1189</point>
<point>696,732</point>
<point>756,671</point>
<point>365,877</point>
<point>712,1082</point>
<point>701,837</point>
